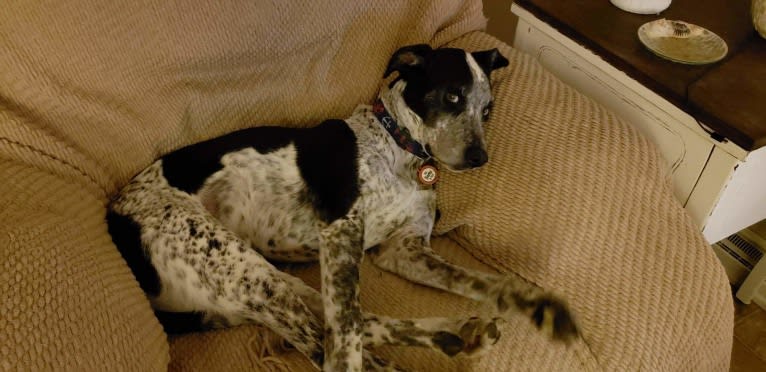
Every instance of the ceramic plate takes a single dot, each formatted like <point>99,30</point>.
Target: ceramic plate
<point>682,42</point>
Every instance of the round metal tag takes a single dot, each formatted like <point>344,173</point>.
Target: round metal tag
<point>428,174</point>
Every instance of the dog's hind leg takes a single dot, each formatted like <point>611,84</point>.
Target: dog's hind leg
<point>233,286</point>
<point>202,267</point>
<point>412,258</point>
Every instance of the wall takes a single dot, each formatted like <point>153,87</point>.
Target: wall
<point>502,23</point>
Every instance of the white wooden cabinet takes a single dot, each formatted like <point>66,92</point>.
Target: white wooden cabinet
<point>722,186</point>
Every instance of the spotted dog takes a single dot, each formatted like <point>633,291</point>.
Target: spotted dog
<point>202,226</point>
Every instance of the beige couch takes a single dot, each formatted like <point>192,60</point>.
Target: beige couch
<point>573,199</point>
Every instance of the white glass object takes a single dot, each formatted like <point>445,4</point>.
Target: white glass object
<point>644,6</point>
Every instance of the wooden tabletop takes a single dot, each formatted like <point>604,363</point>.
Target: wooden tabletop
<point>728,96</point>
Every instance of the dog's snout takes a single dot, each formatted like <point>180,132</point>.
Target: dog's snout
<point>475,156</point>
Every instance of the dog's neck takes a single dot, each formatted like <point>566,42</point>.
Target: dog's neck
<point>404,163</point>
<point>406,118</point>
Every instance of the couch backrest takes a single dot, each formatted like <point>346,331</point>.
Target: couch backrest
<point>100,89</point>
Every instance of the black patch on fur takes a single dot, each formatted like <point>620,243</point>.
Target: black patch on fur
<point>126,235</point>
<point>449,343</point>
<point>179,323</point>
<point>478,285</point>
<point>441,72</point>
<point>267,289</point>
<point>539,314</point>
<point>214,244</point>
<point>318,357</point>
<point>489,60</point>
<point>192,226</point>
<point>327,160</point>
<point>188,167</point>
<point>408,59</point>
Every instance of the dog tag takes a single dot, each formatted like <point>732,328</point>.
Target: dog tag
<point>428,174</point>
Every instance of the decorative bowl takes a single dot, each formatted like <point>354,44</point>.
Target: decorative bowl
<point>682,42</point>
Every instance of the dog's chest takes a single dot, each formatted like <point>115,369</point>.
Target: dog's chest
<point>393,205</point>
<point>392,197</point>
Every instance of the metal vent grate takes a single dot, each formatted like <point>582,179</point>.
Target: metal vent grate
<point>724,246</point>
<point>748,248</point>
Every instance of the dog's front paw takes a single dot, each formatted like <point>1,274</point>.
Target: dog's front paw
<point>471,338</point>
<point>547,311</point>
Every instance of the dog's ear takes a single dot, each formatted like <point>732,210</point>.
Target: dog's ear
<point>489,60</point>
<point>408,59</point>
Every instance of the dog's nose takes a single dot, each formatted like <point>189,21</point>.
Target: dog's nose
<point>475,156</point>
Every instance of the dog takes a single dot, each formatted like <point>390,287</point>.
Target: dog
<point>202,227</point>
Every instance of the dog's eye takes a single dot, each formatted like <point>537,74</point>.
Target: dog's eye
<point>485,113</point>
<point>453,98</point>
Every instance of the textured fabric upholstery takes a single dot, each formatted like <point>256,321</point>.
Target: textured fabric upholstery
<point>573,199</point>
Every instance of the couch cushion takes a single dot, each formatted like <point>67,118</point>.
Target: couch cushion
<point>68,303</point>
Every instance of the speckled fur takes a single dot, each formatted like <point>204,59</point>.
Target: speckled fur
<point>211,249</point>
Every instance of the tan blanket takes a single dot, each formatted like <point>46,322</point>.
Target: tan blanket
<point>572,199</point>
<point>106,88</point>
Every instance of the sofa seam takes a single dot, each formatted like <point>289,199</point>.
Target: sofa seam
<point>66,163</point>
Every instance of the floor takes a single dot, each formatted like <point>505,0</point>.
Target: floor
<point>749,352</point>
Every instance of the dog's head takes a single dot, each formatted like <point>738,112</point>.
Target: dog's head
<point>448,90</point>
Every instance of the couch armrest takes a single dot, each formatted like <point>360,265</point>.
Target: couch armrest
<point>69,301</point>
<point>576,200</point>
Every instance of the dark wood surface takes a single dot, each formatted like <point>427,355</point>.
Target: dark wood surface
<point>732,97</point>
<point>720,94</point>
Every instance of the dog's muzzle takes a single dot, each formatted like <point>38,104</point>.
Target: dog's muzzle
<point>475,157</point>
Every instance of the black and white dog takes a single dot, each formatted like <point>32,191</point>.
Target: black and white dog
<point>201,226</point>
